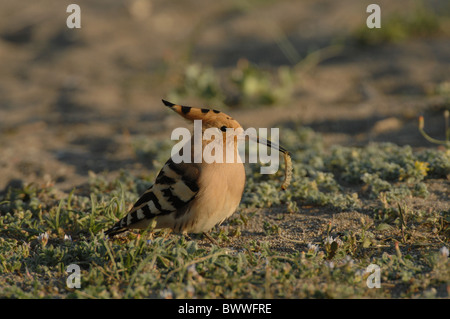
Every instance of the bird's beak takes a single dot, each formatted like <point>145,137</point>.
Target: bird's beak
<point>269,143</point>
<point>287,157</point>
<point>263,141</point>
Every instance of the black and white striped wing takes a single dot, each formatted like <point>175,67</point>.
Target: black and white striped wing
<point>175,186</point>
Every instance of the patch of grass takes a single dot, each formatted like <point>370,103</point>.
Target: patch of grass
<point>421,21</point>
<point>446,141</point>
<point>258,87</point>
<point>43,230</point>
<point>246,85</point>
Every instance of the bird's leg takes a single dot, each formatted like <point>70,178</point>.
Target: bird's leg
<point>166,233</point>
<point>212,240</point>
<point>186,237</point>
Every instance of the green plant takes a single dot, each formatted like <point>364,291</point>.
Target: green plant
<point>260,87</point>
<point>247,85</point>
<point>446,141</point>
<point>280,244</point>
<point>200,82</point>
<point>420,22</point>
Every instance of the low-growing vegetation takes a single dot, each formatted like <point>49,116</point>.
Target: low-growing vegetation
<point>421,21</point>
<point>267,249</point>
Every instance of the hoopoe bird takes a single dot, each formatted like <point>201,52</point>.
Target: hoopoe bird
<point>195,196</point>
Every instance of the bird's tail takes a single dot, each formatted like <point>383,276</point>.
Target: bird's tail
<point>115,230</point>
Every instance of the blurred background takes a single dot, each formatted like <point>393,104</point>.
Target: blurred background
<point>89,99</point>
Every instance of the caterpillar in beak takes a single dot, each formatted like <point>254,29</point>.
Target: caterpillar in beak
<point>287,160</point>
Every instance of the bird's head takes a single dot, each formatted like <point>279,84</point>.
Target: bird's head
<point>216,119</point>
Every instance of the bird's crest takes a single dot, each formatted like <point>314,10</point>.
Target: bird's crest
<point>209,117</point>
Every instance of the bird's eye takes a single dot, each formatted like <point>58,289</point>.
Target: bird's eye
<point>223,128</point>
